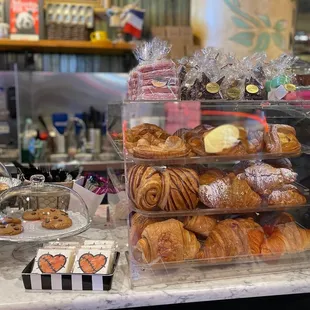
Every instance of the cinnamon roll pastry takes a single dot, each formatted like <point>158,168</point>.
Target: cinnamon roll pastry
<point>167,241</point>
<point>200,224</point>
<point>264,178</point>
<point>281,139</point>
<point>229,192</point>
<point>173,146</point>
<point>168,189</point>
<point>211,175</point>
<point>287,195</point>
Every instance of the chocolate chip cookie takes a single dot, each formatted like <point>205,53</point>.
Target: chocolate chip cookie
<point>9,219</point>
<point>10,229</point>
<point>50,212</point>
<point>31,215</point>
<point>57,222</point>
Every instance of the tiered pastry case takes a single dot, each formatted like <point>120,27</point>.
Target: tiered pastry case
<point>182,226</point>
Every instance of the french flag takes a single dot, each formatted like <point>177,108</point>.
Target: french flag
<point>133,22</point>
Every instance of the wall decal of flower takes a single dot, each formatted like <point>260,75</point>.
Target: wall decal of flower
<point>257,31</point>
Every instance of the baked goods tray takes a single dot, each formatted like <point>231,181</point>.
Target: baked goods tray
<point>34,232</point>
<point>118,146</point>
<point>301,256</point>
<point>68,281</point>
<point>203,210</point>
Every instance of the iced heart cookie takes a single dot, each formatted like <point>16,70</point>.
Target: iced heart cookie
<point>51,263</point>
<point>31,215</point>
<point>10,229</point>
<point>56,222</point>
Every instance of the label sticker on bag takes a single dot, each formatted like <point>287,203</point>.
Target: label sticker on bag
<point>213,88</point>
<point>252,89</point>
<point>159,82</point>
<point>233,93</point>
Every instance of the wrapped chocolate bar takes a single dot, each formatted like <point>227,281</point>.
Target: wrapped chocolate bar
<point>281,83</point>
<point>203,81</point>
<point>254,77</point>
<point>156,77</point>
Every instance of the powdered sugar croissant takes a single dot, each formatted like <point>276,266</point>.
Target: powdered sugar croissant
<point>229,192</point>
<point>264,178</point>
<point>287,195</point>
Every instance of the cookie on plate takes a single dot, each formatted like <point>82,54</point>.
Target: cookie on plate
<point>31,215</point>
<point>9,219</point>
<point>57,222</point>
<point>49,212</point>
<point>10,229</point>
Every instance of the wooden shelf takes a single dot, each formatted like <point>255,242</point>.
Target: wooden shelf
<point>61,46</point>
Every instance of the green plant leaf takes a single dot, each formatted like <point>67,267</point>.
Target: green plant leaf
<point>244,38</point>
<point>240,23</point>
<point>262,43</point>
<point>235,7</point>
<point>280,25</point>
<point>265,19</point>
<point>278,40</point>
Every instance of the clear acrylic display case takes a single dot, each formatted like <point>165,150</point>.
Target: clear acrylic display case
<point>215,189</point>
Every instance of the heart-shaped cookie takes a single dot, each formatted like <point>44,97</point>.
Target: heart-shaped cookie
<point>90,263</point>
<point>51,263</point>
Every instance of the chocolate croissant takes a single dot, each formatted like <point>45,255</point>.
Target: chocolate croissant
<point>233,238</point>
<point>264,178</point>
<point>200,224</point>
<point>281,139</point>
<point>168,189</point>
<point>287,195</point>
<point>286,238</point>
<point>229,192</point>
<point>167,241</point>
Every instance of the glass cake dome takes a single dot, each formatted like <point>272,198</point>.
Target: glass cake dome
<point>40,212</point>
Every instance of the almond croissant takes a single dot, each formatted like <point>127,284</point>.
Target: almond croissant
<point>167,241</point>
<point>233,238</point>
<point>287,238</point>
<point>287,195</point>
<point>264,178</point>
<point>168,189</point>
<point>229,192</point>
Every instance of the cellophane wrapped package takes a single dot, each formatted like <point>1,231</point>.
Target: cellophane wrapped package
<point>156,76</point>
<point>204,78</point>
<point>280,82</point>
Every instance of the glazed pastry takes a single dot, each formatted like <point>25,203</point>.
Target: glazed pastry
<point>281,139</point>
<point>233,238</point>
<point>210,176</point>
<point>167,241</point>
<point>280,163</point>
<point>138,224</point>
<point>264,178</point>
<point>229,192</point>
<point>172,147</point>
<point>286,238</point>
<point>168,189</point>
<point>200,224</point>
<point>287,195</point>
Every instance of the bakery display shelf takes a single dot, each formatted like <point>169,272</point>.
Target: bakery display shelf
<point>117,145</point>
<point>203,210</point>
<point>258,260</point>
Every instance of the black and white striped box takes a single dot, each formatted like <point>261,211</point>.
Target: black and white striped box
<point>68,281</point>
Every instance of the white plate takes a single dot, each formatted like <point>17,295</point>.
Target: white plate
<point>34,232</point>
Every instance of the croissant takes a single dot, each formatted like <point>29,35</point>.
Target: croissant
<point>286,238</point>
<point>279,163</point>
<point>229,192</point>
<point>264,178</point>
<point>138,224</point>
<point>211,175</point>
<point>281,139</point>
<point>270,220</point>
<point>255,141</point>
<point>233,238</point>
<point>168,189</point>
<point>200,224</point>
<point>287,195</point>
<point>173,146</point>
<point>167,241</point>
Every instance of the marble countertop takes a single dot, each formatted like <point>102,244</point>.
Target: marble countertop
<point>13,295</point>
